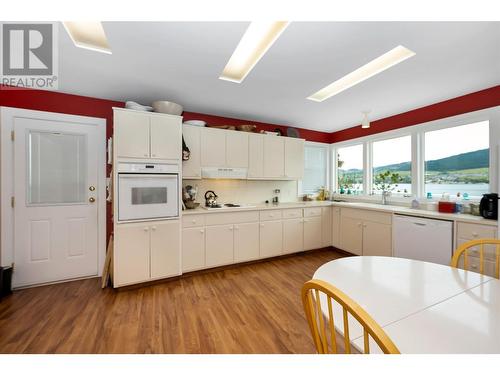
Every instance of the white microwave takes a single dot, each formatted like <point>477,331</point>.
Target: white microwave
<point>148,191</point>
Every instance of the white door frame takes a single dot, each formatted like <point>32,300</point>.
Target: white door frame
<point>7,115</point>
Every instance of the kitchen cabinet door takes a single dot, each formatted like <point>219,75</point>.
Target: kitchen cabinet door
<point>255,156</point>
<point>219,245</point>
<point>336,227</point>
<point>193,249</point>
<point>294,158</point>
<point>192,168</point>
<point>293,235</point>
<point>166,137</point>
<point>326,226</point>
<point>246,242</point>
<point>351,235</point>
<point>213,147</point>
<point>131,134</point>
<point>236,149</point>
<point>312,233</point>
<point>131,254</point>
<point>271,239</point>
<point>377,239</point>
<point>165,249</point>
<point>274,157</point>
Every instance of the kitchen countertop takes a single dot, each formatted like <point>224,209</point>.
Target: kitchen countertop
<point>356,205</point>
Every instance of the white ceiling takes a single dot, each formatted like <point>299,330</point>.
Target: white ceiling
<point>181,62</point>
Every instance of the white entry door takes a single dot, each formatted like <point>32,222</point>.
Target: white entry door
<point>56,176</point>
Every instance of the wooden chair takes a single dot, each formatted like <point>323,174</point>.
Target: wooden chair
<point>319,323</point>
<point>465,248</point>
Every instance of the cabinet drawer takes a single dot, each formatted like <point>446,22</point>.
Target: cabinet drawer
<point>489,251</point>
<point>270,215</point>
<point>232,218</point>
<point>309,212</point>
<point>189,221</point>
<point>292,213</point>
<point>474,266</point>
<point>475,231</point>
<point>367,215</point>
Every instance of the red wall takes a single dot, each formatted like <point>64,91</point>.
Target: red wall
<point>467,103</point>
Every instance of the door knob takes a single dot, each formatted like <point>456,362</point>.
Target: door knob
<point>91,188</point>
<point>91,199</point>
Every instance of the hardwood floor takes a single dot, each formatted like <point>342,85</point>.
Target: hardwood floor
<point>253,308</point>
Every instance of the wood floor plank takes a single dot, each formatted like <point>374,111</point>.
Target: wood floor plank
<point>253,308</point>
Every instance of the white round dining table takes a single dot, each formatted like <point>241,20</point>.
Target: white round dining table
<point>423,307</point>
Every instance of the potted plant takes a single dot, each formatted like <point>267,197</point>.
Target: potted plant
<point>387,182</point>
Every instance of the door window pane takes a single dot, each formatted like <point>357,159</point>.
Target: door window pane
<point>315,162</point>
<point>350,169</point>
<point>393,156</point>
<point>57,168</point>
<point>457,160</point>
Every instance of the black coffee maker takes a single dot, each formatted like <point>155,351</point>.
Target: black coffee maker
<point>489,206</point>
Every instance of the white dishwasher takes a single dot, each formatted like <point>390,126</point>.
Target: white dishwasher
<point>423,239</point>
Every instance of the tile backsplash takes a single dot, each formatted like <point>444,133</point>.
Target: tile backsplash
<point>245,191</point>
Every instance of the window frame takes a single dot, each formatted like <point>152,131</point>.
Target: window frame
<point>417,133</point>
<point>328,168</point>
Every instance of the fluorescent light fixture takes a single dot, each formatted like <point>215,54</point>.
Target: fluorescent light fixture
<point>88,35</point>
<point>258,38</point>
<point>391,58</point>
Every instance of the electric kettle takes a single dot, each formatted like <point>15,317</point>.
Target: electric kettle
<point>210,199</point>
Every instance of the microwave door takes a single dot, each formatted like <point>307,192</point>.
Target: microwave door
<point>147,196</point>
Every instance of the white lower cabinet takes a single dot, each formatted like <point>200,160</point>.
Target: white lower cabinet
<point>351,235</point>
<point>326,226</point>
<point>312,233</point>
<point>219,246</point>
<point>336,227</point>
<point>271,238</point>
<point>293,235</point>
<point>146,251</point>
<point>377,239</point>
<point>193,249</point>
<point>246,242</point>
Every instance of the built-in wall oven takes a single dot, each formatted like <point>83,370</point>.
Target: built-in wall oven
<point>148,191</point>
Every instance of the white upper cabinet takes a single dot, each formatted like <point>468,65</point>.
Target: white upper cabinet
<point>256,156</point>
<point>213,147</point>
<point>294,158</point>
<point>192,168</point>
<point>274,157</point>
<point>236,149</point>
<point>147,135</point>
<point>166,133</point>
<point>131,134</point>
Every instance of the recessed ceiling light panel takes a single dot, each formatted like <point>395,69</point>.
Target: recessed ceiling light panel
<point>391,58</point>
<point>258,38</point>
<point>88,35</point>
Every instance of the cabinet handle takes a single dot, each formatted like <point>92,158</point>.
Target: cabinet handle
<point>364,225</point>
<point>359,224</point>
<point>305,221</point>
<point>146,229</point>
<point>474,234</point>
<point>230,228</point>
<point>153,228</point>
<point>193,221</point>
<point>202,231</point>
<point>261,225</point>
<point>236,228</point>
<point>271,215</point>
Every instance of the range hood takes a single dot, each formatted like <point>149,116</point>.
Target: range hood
<point>215,172</point>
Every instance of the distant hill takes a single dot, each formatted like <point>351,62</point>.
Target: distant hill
<point>468,160</point>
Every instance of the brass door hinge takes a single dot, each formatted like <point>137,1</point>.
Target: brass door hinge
<point>12,201</point>
<point>12,135</point>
